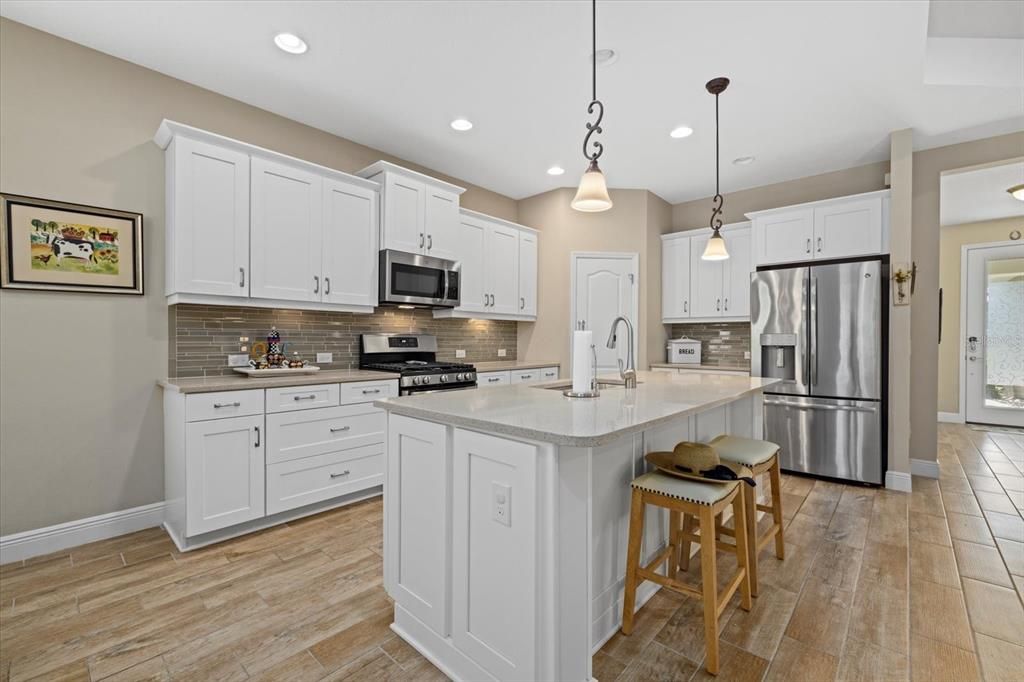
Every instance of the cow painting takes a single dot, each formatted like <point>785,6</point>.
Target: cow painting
<point>72,248</point>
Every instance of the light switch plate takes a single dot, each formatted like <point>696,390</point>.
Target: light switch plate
<point>502,353</point>
<point>460,353</point>
<point>238,359</point>
<point>501,503</point>
<point>746,355</point>
<point>325,357</point>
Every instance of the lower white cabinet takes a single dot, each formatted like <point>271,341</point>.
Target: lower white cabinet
<point>224,472</point>
<point>299,482</point>
<point>525,376</point>
<point>488,379</point>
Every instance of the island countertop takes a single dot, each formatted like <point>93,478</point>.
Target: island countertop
<point>534,412</point>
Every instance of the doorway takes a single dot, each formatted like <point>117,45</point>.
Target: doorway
<point>604,286</point>
<point>993,333</point>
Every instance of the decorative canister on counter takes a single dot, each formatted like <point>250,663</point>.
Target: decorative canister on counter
<point>684,350</point>
<point>274,342</point>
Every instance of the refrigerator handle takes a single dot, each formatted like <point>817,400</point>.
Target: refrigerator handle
<point>814,331</point>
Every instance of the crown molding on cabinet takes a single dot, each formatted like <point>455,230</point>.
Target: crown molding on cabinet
<point>508,223</point>
<point>388,167</point>
<point>817,204</point>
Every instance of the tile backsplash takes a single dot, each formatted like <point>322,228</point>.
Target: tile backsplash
<point>201,336</point>
<point>722,343</point>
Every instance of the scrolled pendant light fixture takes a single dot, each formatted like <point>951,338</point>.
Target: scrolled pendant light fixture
<point>715,250</point>
<point>592,195</point>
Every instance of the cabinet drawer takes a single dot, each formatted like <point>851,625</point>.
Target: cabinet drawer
<point>294,435</point>
<point>485,379</point>
<point>301,397</point>
<point>200,406</point>
<point>548,373</point>
<point>368,391</point>
<point>314,479</point>
<point>522,376</point>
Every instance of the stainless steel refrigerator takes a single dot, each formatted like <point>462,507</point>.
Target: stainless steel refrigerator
<point>823,330</point>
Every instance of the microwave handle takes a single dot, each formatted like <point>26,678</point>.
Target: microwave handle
<point>447,274</point>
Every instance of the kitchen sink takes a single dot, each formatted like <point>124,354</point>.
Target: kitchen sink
<point>602,384</point>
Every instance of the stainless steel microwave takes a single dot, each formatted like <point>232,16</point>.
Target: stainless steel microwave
<point>410,279</point>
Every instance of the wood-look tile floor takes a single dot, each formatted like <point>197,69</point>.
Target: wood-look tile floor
<point>876,585</point>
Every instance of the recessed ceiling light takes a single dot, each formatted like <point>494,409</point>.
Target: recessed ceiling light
<point>743,160</point>
<point>291,43</point>
<point>681,131</point>
<point>556,170</point>
<point>461,124</point>
<point>606,57</point>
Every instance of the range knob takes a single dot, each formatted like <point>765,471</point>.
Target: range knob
<point>417,380</point>
<point>444,378</point>
<point>426,380</point>
<point>460,377</point>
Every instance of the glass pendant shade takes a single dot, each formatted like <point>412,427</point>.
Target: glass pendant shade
<point>715,250</point>
<point>1017,192</point>
<point>592,195</point>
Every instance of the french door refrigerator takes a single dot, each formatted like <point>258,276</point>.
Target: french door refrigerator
<point>822,329</point>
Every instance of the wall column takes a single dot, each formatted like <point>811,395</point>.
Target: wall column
<point>901,179</point>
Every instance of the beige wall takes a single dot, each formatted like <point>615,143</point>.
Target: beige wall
<point>928,165</point>
<point>81,429</point>
<point>631,226</point>
<point>952,238</point>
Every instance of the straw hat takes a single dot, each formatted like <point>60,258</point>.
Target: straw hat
<point>693,461</point>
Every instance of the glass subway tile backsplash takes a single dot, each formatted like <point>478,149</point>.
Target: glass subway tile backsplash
<point>722,343</point>
<point>202,336</point>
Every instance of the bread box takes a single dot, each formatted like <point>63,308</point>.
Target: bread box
<point>684,350</point>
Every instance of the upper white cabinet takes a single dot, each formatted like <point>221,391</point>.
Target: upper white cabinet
<point>836,228</point>
<point>207,219</point>
<point>248,226</point>
<point>420,214</point>
<point>696,290</point>
<point>498,269</point>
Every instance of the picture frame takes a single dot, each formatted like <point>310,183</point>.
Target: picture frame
<point>49,245</point>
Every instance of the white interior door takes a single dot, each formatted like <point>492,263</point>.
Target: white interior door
<point>993,335</point>
<point>604,287</point>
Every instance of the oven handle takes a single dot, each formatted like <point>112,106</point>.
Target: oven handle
<point>406,392</point>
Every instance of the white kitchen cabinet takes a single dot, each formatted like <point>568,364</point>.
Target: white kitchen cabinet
<point>208,207</point>
<point>350,226</point>
<point>736,275</point>
<point>501,272</point>
<point>287,232</point>
<point>527,273</point>
<point>489,379</point>
<point>706,277</point>
<point>471,250</point>
<point>844,227</point>
<point>419,214</point>
<point>548,373</point>
<point>675,277</point>
<point>224,473</point>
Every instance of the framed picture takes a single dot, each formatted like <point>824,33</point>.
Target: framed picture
<point>56,246</point>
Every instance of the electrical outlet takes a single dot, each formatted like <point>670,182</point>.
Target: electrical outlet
<point>502,353</point>
<point>501,503</point>
<point>238,359</point>
<point>325,357</point>
<point>746,355</point>
<point>460,353</point>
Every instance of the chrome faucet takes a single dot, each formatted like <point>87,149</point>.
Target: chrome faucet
<point>628,373</point>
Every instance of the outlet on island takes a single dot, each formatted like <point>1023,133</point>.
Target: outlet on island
<point>501,503</point>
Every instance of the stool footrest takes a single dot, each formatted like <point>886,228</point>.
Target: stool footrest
<point>767,537</point>
<point>670,583</point>
<point>730,590</point>
<point>765,508</point>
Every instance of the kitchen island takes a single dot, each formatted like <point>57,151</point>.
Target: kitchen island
<point>506,514</point>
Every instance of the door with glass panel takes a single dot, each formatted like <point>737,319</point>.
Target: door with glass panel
<point>994,335</point>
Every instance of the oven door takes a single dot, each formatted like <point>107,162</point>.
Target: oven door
<point>416,280</point>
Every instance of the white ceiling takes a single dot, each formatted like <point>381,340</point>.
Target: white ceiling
<point>974,195</point>
<point>816,86</point>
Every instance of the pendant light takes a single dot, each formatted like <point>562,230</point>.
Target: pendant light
<point>1017,192</point>
<point>715,250</point>
<point>592,195</point>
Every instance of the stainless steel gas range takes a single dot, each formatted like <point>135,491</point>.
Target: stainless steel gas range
<point>414,357</point>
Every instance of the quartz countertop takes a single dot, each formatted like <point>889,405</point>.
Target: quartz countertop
<point>531,412</point>
<point>502,365</point>
<point>240,382</point>
<point>702,366</point>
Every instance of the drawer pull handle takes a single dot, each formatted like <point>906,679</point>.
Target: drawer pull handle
<point>370,391</point>
<point>257,444</point>
<point>340,428</point>
<point>305,397</point>
<point>346,472</point>
<point>217,406</point>
<point>525,376</point>
<point>493,379</point>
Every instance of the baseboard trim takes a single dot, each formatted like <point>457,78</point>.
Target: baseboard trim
<point>924,467</point>
<point>898,480</point>
<point>32,543</point>
<point>951,418</point>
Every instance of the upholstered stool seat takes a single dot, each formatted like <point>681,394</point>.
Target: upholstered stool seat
<point>746,451</point>
<point>703,502</point>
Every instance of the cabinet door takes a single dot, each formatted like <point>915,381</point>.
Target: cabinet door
<point>403,224</point>
<point>527,273</point>
<point>502,274</point>
<point>224,473</point>
<point>349,244</point>
<point>705,281</point>
<point>417,530</point>
<point>286,232</point>
<point>784,237</point>
<point>736,280</point>
<point>208,234</point>
<point>441,224</point>
<point>472,244</point>
<point>675,278</point>
<point>852,228</point>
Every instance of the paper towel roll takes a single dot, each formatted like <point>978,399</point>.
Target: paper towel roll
<point>582,360</point>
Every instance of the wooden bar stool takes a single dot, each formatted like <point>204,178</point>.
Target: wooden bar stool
<point>759,456</point>
<point>703,501</point>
